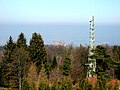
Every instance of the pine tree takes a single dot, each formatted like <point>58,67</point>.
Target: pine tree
<point>54,63</point>
<point>21,62</point>
<point>47,70</point>
<point>103,61</point>
<point>116,61</point>
<point>66,68</point>
<point>8,50</point>
<point>37,51</point>
<point>21,58</point>
<point>21,41</point>
<point>8,63</point>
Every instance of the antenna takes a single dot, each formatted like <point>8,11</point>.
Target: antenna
<point>92,7</point>
<point>91,61</point>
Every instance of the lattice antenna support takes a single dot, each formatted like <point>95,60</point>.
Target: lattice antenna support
<point>91,61</point>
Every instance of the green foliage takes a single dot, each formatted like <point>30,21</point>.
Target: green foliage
<point>21,41</point>
<point>101,84</point>
<point>21,58</point>
<point>43,86</point>
<point>7,88</point>
<point>37,51</point>
<point>47,70</point>
<point>66,85</point>
<point>86,86</point>
<point>21,63</point>
<point>89,87</point>
<point>103,61</point>
<point>116,52</point>
<point>7,63</point>
<point>109,87</point>
<point>16,60</point>
<point>55,86</point>
<point>8,50</point>
<point>54,63</point>
<point>26,85</point>
<point>82,83</point>
<point>116,58</point>
<point>66,68</point>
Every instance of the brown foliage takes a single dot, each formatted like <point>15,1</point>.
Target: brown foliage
<point>32,75</point>
<point>92,81</point>
<point>113,82</point>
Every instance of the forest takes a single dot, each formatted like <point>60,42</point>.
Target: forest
<point>36,66</point>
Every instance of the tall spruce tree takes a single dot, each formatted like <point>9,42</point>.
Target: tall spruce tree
<point>37,51</point>
<point>21,58</point>
<point>21,42</point>
<point>21,62</point>
<point>8,63</point>
<point>116,61</point>
<point>103,61</point>
<point>66,68</point>
<point>54,62</point>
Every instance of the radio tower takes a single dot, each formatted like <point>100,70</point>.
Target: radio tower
<point>91,61</point>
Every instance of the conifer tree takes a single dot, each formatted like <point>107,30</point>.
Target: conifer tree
<point>37,51</point>
<point>66,68</point>
<point>47,69</point>
<point>116,61</point>
<point>8,63</point>
<point>54,63</point>
<point>8,50</point>
<point>103,61</point>
<point>21,58</point>
<point>21,61</point>
<point>21,41</point>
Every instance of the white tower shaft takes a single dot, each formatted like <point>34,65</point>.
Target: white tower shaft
<point>91,61</point>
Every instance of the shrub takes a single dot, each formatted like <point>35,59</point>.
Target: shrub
<point>43,86</point>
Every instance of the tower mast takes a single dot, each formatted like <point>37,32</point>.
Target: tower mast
<point>91,61</point>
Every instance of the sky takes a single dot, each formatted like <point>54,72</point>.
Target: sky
<point>66,20</point>
<point>59,11</point>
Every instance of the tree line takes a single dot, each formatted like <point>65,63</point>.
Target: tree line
<point>36,66</point>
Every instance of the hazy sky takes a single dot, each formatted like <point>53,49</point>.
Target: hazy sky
<point>37,11</point>
<point>30,16</point>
